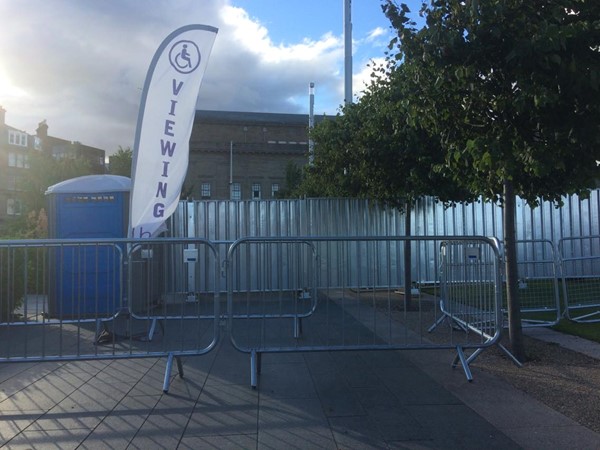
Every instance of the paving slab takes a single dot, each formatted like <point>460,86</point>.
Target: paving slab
<point>528,422</point>
<point>226,442</point>
<point>446,426</point>
<point>293,423</point>
<point>13,423</point>
<point>223,409</point>
<point>337,400</point>
<point>48,439</point>
<point>286,380</point>
<point>121,424</point>
<point>356,432</point>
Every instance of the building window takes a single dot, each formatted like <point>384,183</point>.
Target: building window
<point>255,191</point>
<point>18,160</point>
<point>205,190</point>
<point>274,190</point>
<point>59,153</point>
<point>12,183</point>
<point>17,138</point>
<point>236,191</point>
<point>13,207</point>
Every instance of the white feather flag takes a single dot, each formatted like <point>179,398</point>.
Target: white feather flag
<point>165,121</point>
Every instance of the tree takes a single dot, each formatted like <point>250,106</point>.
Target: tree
<point>511,89</point>
<point>293,180</point>
<point>19,274</point>
<point>120,162</point>
<point>45,171</point>
<point>374,150</point>
<point>33,225</point>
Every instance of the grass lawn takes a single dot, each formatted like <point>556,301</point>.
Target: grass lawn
<point>540,294</point>
<point>590,331</point>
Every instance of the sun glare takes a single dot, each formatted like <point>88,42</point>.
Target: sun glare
<point>8,89</point>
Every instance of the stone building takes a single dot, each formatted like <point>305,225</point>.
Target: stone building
<point>16,147</point>
<point>62,148</point>
<point>244,155</point>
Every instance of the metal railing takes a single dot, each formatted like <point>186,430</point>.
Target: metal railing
<point>356,306</point>
<point>65,300</point>
<point>108,299</point>
<point>539,290</point>
<point>580,265</point>
<point>471,293</point>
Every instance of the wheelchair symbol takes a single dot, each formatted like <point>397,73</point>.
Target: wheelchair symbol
<point>182,59</point>
<point>184,56</point>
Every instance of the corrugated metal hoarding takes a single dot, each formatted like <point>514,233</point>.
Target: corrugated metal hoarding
<point>225,221</point>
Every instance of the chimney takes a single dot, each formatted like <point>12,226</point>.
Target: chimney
<point>42,130</point>
<point>2,116</point>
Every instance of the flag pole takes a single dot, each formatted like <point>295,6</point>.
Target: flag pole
<point>347,51</point>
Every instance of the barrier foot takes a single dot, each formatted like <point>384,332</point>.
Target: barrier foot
<point>168,369</point>
<point>99,330</point>
<point>510,356</point>
<point>168,373</point>
<point>506,351</point>
<point>103,335</point>
<point>297,327</point>
<point>179,366</point>
<point>455,362</point>
<point>474,355</point>
<point>255,363</point>
<point>440,319</point>
<point>151,331</point>
<point>460,355</point>
<point>437,323</point>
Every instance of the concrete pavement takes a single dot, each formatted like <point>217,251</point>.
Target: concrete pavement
<point>345,400</point>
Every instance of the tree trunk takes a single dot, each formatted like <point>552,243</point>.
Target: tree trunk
<point>407,260</point>
<point>515,331</point>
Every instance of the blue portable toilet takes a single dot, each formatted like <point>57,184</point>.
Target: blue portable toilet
<point>86,281</point>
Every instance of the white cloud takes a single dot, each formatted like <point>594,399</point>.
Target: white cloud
<point>361,80</point>
<point>375,34</point>
<point>81,65</point>
<point>249,72</point>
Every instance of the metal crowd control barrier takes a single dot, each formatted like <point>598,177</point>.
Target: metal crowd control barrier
<point>580,264</point>
<point>334,288</point>
<point>539,291</point>
<point>278,282</point>
<point>471,292</point>
<point>67,300</point>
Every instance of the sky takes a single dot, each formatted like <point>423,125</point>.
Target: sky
<point>81,64</point>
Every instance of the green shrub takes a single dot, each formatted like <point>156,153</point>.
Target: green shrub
<point>22,268</point>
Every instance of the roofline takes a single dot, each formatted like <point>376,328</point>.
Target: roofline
<point>256,117</point>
